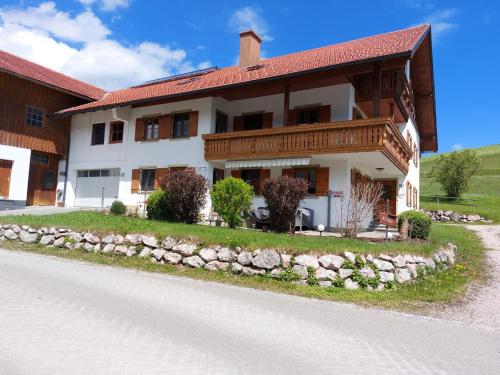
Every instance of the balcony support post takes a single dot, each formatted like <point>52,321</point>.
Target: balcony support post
<point>377,89</point>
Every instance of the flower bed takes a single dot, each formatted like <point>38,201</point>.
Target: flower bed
<point>345,270</point>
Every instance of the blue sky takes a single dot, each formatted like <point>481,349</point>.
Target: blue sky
<point>116,43</point>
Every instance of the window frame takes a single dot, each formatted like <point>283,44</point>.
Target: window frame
<point>311,190</point>
<point>28,122</point>
<point>298,111</point>
<point>38,162</point>
<point>113,131</point>
<point>154,123</point>
<point>255,184</point>
<point>93,136</point>
<point>150,175</point>
<point>185,126</point>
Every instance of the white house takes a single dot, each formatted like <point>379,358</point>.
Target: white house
<point>335,116</point>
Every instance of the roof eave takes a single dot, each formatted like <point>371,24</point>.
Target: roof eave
<point>70,112</point>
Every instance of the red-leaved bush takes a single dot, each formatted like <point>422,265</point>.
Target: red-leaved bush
<point>186,195</point>
<point>283,196</point>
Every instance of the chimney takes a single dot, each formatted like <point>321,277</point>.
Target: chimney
<point>249,48</point>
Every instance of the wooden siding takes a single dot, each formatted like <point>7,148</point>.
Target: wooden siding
<point>15,95</point>
<point>378,134</point>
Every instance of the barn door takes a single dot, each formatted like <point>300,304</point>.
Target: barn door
<point>5,170</point>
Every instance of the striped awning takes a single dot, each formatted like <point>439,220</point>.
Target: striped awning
<point>267,163</point>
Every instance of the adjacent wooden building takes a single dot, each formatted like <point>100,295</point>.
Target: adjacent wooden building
<point>32,142</point>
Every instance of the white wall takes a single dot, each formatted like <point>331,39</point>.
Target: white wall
<point>413,172</point>
<point>19,173</point>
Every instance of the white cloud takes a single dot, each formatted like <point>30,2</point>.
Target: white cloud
<point>457,147</point>
<point>81,47</point>
<point>107,5</point>
<point>442,22</point>
<point>250,18</point>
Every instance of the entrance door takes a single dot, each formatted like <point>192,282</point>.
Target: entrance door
<point>389,194</point>
<point>42,179</point>
<point>5,170</point>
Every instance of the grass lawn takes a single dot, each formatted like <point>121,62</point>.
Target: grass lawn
<point>250,239</point>
<point>434,290</point>
<point>484,187</point>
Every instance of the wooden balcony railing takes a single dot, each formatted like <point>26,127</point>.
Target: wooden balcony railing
<point>378,134</point>
<point>396,85</point>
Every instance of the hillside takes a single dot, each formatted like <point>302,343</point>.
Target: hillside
<point>484,188</point>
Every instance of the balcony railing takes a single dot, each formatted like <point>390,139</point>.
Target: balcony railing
<point>396,85</point>
<point>378,134</point>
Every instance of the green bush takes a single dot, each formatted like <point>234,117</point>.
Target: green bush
<point>230,197</point>
<point>419,224</point>
<point>117,208</point>
<point>157,206</point>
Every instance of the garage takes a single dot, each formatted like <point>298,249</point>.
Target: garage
<point>97,187</point>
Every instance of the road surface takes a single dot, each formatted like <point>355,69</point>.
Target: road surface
<point>66,317</point>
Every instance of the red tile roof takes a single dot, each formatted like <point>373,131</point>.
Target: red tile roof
<point>27,69</point>
<point>378,46</point>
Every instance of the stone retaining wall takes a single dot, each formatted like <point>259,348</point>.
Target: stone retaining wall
<point>447,216</point>
<point>345,270</point>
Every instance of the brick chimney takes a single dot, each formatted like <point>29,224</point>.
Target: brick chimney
<point>249,48</point>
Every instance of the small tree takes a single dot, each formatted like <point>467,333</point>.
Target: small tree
<point>283,196</point>
<point>186,195</point>
<point>230,197</point>
<point>361,204</point>
<point>455,170</point>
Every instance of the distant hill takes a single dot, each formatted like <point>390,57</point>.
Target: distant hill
<point>486,183</point>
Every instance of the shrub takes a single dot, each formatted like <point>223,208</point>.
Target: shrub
<point>230,197</point>
<point>157,207</point>
<point>186,195</point>
<point>283,196</point>
<point>455,170</point>
<point>117,208</point>
<point>419,224</point>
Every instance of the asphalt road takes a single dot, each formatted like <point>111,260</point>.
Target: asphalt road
<point>64,317</point>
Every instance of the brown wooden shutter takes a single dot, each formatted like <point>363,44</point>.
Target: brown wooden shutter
<point>238,123</point>
<point>160,173</point>
<point>267,120</point>
<point>139,129</point>
<point>353,177</point>
<point>193,124</point>
<point>292,117</point>
<point>265,174</point>
<point>324,113</point>
<point>136,173</point>
<point>165,127</point>
<point>236,173</point>
<point>287,172</point>
<point>323,178</point>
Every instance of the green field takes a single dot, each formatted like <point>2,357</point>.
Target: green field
<point>483,196</point>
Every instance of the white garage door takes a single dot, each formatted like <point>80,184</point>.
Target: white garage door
<point>97,187</point>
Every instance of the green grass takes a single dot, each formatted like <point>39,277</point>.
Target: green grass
<point>484,187</point>
<point>250,239</point>
<point>425,294</point>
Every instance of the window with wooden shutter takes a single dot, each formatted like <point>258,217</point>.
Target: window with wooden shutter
<point>236,173</point>
<point>415,198</point>
<point>324,113</point>
<point>160,174</point>
<point>408,194</point>
<point>136,174</point>
<point>265,174</point>
<point>165,131</point>
<point>193,124</point>
<point>139,129</point>
<point>292,117</point>
<point>237,123</point>
<point>287,172</point>
<point>323,181</point>
<point>267,120</point>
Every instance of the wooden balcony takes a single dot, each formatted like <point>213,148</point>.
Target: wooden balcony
<point>378,134</point>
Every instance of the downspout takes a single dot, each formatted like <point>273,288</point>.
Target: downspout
<point>66,168</point>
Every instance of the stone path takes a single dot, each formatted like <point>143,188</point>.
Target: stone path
<point>482,304</point>
<point>66,317</point>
